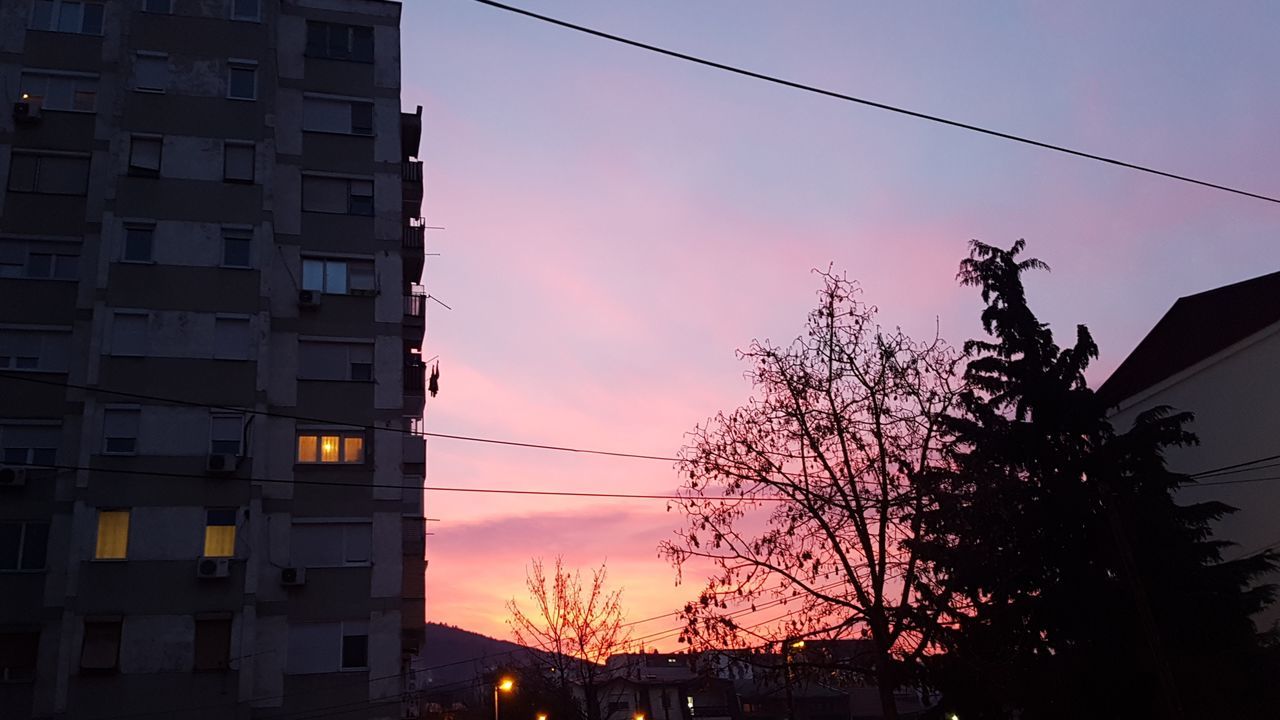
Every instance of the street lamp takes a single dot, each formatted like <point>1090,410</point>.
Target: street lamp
<point>505,684</point>
<point>542,716</point>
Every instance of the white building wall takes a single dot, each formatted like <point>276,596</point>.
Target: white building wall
<point>1235,396</point>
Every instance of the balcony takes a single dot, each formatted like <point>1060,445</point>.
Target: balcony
<point>411,171</point>
<point>415,233</point>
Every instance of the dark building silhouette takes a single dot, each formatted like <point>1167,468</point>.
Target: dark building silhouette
<point>210,342</point>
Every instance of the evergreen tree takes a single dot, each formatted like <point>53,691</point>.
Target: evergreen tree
<point>1075,585</point>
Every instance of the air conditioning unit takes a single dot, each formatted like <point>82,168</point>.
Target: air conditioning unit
<point>12,477</point>
<point>309,298</point>
<point>213,568</point>
<point>221,463</point>
<point>293,576</point>
<point>25,111</point>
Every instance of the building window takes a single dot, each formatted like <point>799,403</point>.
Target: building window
<point>328,647</point>
<point>231,338</point>
<point>113,535</point>
<point>338,277</point>
<point>323,360</point>
<point>212,643</point>
<point>328,448</point>
<point>29,444</point>
<point>246,10</point>
<point>51,266</point>
<point>352,117</point>
<point>49,174</point>
<point>144,154</point>
<point>331,544</point>
<point>220,533</point>
<point>157,6</point>
<point>339,42</point>
<point>35,350</point>
<point>237,162</point>
<point>60,91</point>
<point>150,72</point>
<point>120,431</point>
<point>69,16</point>
<point>138,243</point>
<point>237,248</point>
<point>18,653</point>
<point>348,196</point>
<point>101,649</point>
<point>355,645</point>
<point>129,333</point>
<point>23,545</point>
<point>242,80</point>
<point>226,432</point>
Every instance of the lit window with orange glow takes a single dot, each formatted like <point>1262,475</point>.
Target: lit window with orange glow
<point>330,448</point>
<point>220,533</point>
<point>113,535</point>
<point>307,449</point>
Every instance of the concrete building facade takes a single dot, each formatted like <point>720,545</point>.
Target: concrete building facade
<point>211,379</point>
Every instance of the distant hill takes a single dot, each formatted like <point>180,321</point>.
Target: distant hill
<point>465,655</point>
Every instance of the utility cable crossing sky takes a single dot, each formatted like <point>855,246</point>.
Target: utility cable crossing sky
<point>878,105</point>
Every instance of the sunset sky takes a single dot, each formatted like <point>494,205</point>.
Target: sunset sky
<point>618,222</point>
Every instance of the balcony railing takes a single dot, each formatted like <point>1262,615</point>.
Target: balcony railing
<point>415,305</point>
<point>411,171</point>
<point>415,232</point>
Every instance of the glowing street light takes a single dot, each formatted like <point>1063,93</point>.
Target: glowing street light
<point>542,716</point>
<point>506,685</point>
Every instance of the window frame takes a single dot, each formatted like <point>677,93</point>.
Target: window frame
<point>141,170</point>
<point>99,553</point>
<point>20,637</point>
<point>55,13</point>
<point>146,345</point>
<point>344,525</point>
<point>222,515</point>
<point>227,145</point>
<point>44,357</point>
<point>137,411</point>
<point>20,550</point>
<point>350,204</point>
<point>213,438</point>
<point>114,628</point>
<point>251,66</point>
<point>238,234</point>
<point>350,104</point>
<point>46,76</point>
<point>150,55</point>
<point>347,289</point>
<point>343,435</point>
<point>342,645</point>
<point>349,42</point>
<point>248,327</point>
<point>257,16</point>
<point>211,622</point>
<point>40,156</point>
<point>56,260</point>
<point>30,457</point>
<point>150,229</point>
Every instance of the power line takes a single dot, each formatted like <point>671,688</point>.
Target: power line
<point>1214,472</point>
<point>871,103</point>
<point>1236,467</point>
<point>328,421</point>
<point>400,486</point>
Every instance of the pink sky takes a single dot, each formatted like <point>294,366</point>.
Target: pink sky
<point>618,223</point>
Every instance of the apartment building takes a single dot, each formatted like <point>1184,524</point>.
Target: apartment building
<point>211,386</point>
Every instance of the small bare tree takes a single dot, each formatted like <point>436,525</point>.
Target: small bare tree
<point>806,496</point>
<point>573,627</point>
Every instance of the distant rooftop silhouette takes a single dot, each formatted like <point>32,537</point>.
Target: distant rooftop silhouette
<point>1195,328</point>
